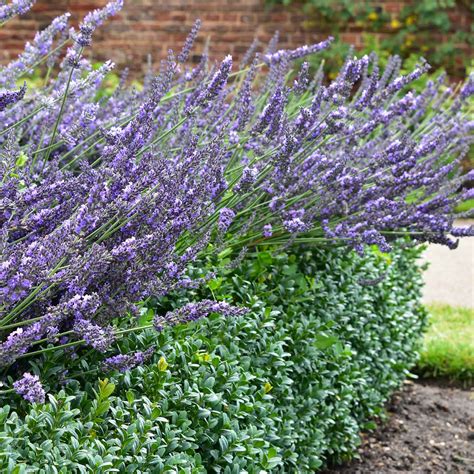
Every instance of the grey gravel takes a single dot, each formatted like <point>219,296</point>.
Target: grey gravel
<point>450,276</point>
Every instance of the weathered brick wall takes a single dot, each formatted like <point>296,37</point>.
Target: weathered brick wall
<point>154,26</point>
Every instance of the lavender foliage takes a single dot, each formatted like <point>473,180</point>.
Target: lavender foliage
<point>105,202</point>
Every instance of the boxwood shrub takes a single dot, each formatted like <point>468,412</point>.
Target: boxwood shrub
<point>287,388</point>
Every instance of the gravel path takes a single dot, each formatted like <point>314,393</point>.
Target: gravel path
<point>450,276</point>
<point>430,430</point>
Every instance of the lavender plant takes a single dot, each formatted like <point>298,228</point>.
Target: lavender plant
<point>105,203</point>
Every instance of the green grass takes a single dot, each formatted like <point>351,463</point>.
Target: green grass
<point>448,347</point>
<point>465,206</point>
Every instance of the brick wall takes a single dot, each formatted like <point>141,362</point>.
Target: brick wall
<point>153,26</point>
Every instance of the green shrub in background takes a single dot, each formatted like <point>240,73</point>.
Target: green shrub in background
<point>286,388</point>
<point>412,32</point>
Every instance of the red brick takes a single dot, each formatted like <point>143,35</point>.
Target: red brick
<point>154,26</point>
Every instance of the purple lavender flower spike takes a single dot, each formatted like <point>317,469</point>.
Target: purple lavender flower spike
<point>30,388</point>
<point>34,50</point>
<point>402,81</point>
<point>249,175</point>
<point>20,340</point>
<point>194,311</point>
<point>295,225</point>
<point>85,36</point>
<point>293,54</point>
<point>244,101</point>
<point>8,97</point>
<point>468,88</point>
<point>271,113</point>
<point>97,17</point>
<point>273,43</point>
<point>16,7</point>
<point>267,230</point>
<point>98,337</point>
<point>226,217</point>
<point>216,84</point>
<point>188,44</point>
<point>249,54</point>
<point>302,82</point>
<point>126,362</point>
<point>89,24</point>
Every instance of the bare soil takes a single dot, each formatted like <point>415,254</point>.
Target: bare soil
<point>430,429</point>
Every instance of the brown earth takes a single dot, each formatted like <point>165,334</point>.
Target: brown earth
<point>430,429</point>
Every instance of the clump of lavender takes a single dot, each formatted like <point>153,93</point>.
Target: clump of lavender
<point>30,388</point>
<point>104,204</point>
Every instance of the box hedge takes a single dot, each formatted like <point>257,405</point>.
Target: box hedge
<point>287,388</point>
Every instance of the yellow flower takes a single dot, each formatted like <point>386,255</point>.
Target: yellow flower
<point>267,387</point>
<point>372,16</point>
<point>410,20</point>
<point>409,41</point>
<point>395,24</point>
<point>203,356</point>
<point>162,364</point>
